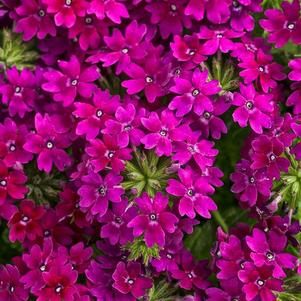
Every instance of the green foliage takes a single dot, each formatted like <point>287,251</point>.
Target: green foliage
<point>138,249</point>
<point>147,172</point>
<point>14,52</point>
<point>162,292</point>
<point>43,188</point>
<point>7,249</point>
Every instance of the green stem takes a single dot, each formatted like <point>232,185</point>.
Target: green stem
<point>219,219</point>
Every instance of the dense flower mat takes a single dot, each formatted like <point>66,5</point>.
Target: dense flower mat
<point>150,150</point>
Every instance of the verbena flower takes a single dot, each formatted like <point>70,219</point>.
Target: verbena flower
<point>71,80</point>
<point>154,220</point>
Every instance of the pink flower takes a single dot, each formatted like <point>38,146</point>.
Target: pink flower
<point>106,152</point>
<point>169,15</point>
<point>125,127</point>
<point>12,183</point>
<point>188,49</point>
<point>218,39</point>
<point>163,132</point>
<point>19,93</point>
<point>48,143</point>
<point>66,11</point>
<point>113,9</point>
<point>253,107</point>
<point>283,25</point>
<point>34,20</point>
<point>193,192</point>
<point>261,67</point>
<point>191,274</point>
<point>96,192</point>
<point>11,289</point>
<point>151,78</point>
<point>95,115</point>
<point>200,150</point>
<point>60,283</point>
<point>12,139</point>
<point>125,49</point>
<point>26,223</point>
<point>194,93</point>
<point>128,279</point>
<point>154,219</point>
<point>115,223</point>
<point>73,79</point>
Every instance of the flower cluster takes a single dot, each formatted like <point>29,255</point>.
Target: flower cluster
<point>114,146</point>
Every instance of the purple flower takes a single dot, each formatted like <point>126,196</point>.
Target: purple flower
<point>217,11</point>
<point>151,78</point>
<point>231,259</point>
<point>12,183</point>
<point>261,67</point>
<point>115,223</point>
<point>295,75</point>
<point>125,49</point>
<point>283,25</point>
<point>200,150</point>
<point>125,127</point>
<point>49,143</point>
<point>11,289</point>
<point>258,282</point>
<point>154,219</point>
<point>12,139</point>
<point>94,115</point>
<point>112,9</point>
<point>188,49</point>
<point>217,39</point>
<point>73,79</point>
<point>241,17</point>
<point>89,31</point>
<point>170,256</point>
<point>60,283</point>
<point>96,192</point>
<point>249,184</point>
<point>191,274</point>
<point>163,132</point>
<point>268,249</point>
<point>26,223</point>
<point>19,93</point>
<point>194,93</point>
<point>66,11</point>
<point>129,280</point>
<point>267,154</point>
<point>193,192</point>
<point>169,15</point>
<point>106,152</point>
<point>38,261</point>
<point>34,20</point>
<point>209,123</point>
<point>253,107</point>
